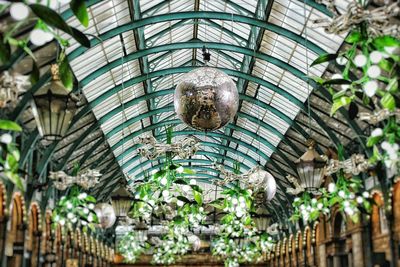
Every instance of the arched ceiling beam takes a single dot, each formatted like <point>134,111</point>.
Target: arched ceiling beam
<point>198,153</point>
<point>199,15</point>
<point>192,45</point>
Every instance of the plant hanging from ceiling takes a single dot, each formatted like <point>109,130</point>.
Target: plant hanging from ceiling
<point>369,75</point>
<point>168,195</point>
<point>237,240</point>
<point>131,247</point>
<point>9,154</point>
<point>76,209</point>
<point>346,194</point>
<point>47,26</point>
<point>174,244</point>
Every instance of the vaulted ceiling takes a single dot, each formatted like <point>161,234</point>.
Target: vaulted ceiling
<point>140,50</point>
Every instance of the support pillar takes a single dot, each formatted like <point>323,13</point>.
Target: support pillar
<point>357,249</point>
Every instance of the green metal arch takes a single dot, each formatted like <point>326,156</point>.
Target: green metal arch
<point>191,160</point>
<point>193,45</point>
<point>199,15</point>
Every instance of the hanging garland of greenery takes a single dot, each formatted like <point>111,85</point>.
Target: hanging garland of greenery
<point>76,209</point>
<point>237,240</point>
<point>130,247</point>
<point>9,154</point>
<point>370,76</point>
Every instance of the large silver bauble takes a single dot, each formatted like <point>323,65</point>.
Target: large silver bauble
<point>263,180</point>
<point>206,99</point>
<point>106,215</point>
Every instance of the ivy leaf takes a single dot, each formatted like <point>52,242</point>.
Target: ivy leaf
<point>324,58</point>
<point>35,74</point>
<point>66,74</point>
<point>52,18</point>
<point>80,11</point>
<point>5,50</point>
<point>337,81</point>
<point>353,37</point>
<point>198,197</point>
<point>9,126</point>
<point>388,101</point>
<point>340,102</point>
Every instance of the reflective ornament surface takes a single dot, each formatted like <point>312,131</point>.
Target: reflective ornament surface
<point>106,215</point>
<point>206,99</point>
<point>261,179</point>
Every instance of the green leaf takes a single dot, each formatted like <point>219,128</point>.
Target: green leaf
<point>353,37</point>
<point>392,85</point>
<point>189,171</point>
<point>384,41</point>
<point>180,181</point>
<point>52,18</point>
<point>372,140</point>
<point>388,101</point>
<point>385,64</point>
<point>340,102</point>
<point>15,179</point>
<point>90,199</point>
<point>9,126</point>
<point>198,197</point>
<point>35,74</point>
<point>5,50</point>
<point>324,58</point>
<point>317,79</point>
<point>78,7</point>
<point>66,74</point>
<point>196,188</point>
<point>184,199</point>
<point>339,94</point>
<point>336,81</point>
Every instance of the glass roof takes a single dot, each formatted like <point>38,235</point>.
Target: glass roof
<point>128,76</point>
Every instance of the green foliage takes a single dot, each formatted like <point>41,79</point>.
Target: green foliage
<point>47,21</point>
<point>371,76</point>
<point>130,247</point>
<point>9,154</point>
<point>237,225</point>
<point>76,209</point>
<point>345,194</point>
<point>80,11</point>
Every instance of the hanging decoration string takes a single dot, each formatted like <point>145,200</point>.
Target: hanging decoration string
<point>307,68</point>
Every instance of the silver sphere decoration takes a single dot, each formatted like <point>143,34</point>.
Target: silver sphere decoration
<point>262,179</point>
<point>206,99</point>
<point>195,241</point>
<point>106,215</point>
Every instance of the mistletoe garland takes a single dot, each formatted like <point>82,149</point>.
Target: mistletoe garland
<point>76,209</point>
<point>9,154</point>
<point>130,247</point>
<point>371,76</point>
<point>345,194</point>
<point>237,240</point>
